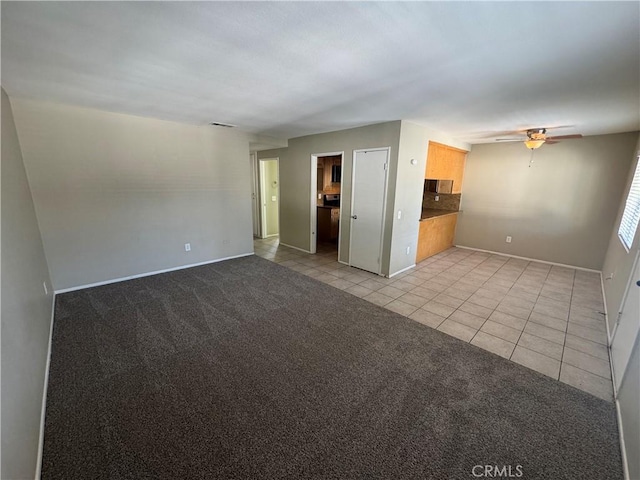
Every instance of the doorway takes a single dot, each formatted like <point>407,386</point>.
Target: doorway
<point>368,200</point>
<point>326,200</point>
<point>269,180</point>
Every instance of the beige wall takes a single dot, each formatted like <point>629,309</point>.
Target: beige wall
<point>295,180</point>
<point>407,140</point>
<point>562,209</point>
<point>26,312</point>
<point>617,269</point>
<point>118,195</point>
<point>618,263</point>
<point>409,183</point>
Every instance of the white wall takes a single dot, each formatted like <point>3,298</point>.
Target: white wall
<point>26,312</point>
<point>409,183</point>
<point>118,195</point>
<point>562,209</point>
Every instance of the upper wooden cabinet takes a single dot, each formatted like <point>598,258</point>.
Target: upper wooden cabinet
<point>446,163</point>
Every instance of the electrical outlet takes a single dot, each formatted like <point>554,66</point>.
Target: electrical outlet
<point>46,290</point>
<point>408,250</point>
<point>399,214</point>
<point>187,247</point>
<point>437,198</point>
<point>508,240</point>
<point>319,196</point>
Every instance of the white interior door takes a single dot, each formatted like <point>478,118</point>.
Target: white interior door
<point>628,326</point>
<point>368,198</point>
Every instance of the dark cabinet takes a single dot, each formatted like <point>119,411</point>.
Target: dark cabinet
<point>328,223</point>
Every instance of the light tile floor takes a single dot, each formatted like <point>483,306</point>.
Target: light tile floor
<point>545,317</point>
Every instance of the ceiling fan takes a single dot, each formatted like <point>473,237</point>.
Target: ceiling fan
<point>536,137</point>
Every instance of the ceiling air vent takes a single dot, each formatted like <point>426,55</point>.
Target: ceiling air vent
<point>218,124</point>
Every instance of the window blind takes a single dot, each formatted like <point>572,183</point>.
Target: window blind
<point>631,215</point>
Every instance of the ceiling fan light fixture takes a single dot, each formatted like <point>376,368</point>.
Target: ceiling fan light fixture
<point>533,144</point>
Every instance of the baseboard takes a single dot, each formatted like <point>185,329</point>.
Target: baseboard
<point>403,270</point>
<point>148,274</point>
<point>44,392</point>
<point>295,248</point>
<point>530,259</point>
<point>623,449</point>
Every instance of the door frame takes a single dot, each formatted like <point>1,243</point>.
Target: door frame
<point>384,200</point>
<point>263,199</point>
<point>255,194</point>
<point>618,377</point>
<point>313,237</point>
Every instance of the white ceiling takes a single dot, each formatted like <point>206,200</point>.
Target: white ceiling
<point>291,69</point>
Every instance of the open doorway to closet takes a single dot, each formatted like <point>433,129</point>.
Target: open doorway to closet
<point>326,201</point>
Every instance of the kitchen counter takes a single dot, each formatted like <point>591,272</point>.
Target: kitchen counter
<point>435,212</point>
<point>327,206</point>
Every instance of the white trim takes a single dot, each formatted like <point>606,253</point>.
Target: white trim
<point>255,194</point>
<point>606,321</point>
<point>295,248</point>
<point>610,334</point>
<point>313,220</point>
<point>148,274</point>
<point>624,295</point>
<point>530,259</point>
<point>403,270</point>
<point>44,391</point>
<point>623,447</point>
<point>263,195</point>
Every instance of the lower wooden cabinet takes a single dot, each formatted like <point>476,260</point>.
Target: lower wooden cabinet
<point>436,235</point>
<point>328,223</point>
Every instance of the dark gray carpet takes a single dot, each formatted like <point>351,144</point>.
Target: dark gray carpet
<point>246,369</point>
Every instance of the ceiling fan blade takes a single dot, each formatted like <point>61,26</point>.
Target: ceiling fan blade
<point>564,137</point>
<point>510,139</point>
<point>550,142</point>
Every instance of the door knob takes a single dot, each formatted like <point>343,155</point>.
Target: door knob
<point>355,217</point>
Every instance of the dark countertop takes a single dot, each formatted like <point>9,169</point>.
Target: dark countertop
<point>326,206</point>
<point>435,212</point>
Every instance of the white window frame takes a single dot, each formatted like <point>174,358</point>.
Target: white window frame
<point>631,216</point>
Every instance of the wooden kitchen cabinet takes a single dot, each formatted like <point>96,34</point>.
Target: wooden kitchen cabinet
<point>446,163</point>
<point>436,235</point>
<point>328,223</point>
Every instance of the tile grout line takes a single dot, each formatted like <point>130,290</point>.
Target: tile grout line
<point>468,271</point>
<point>494,310</point>
<point>529,316</point>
